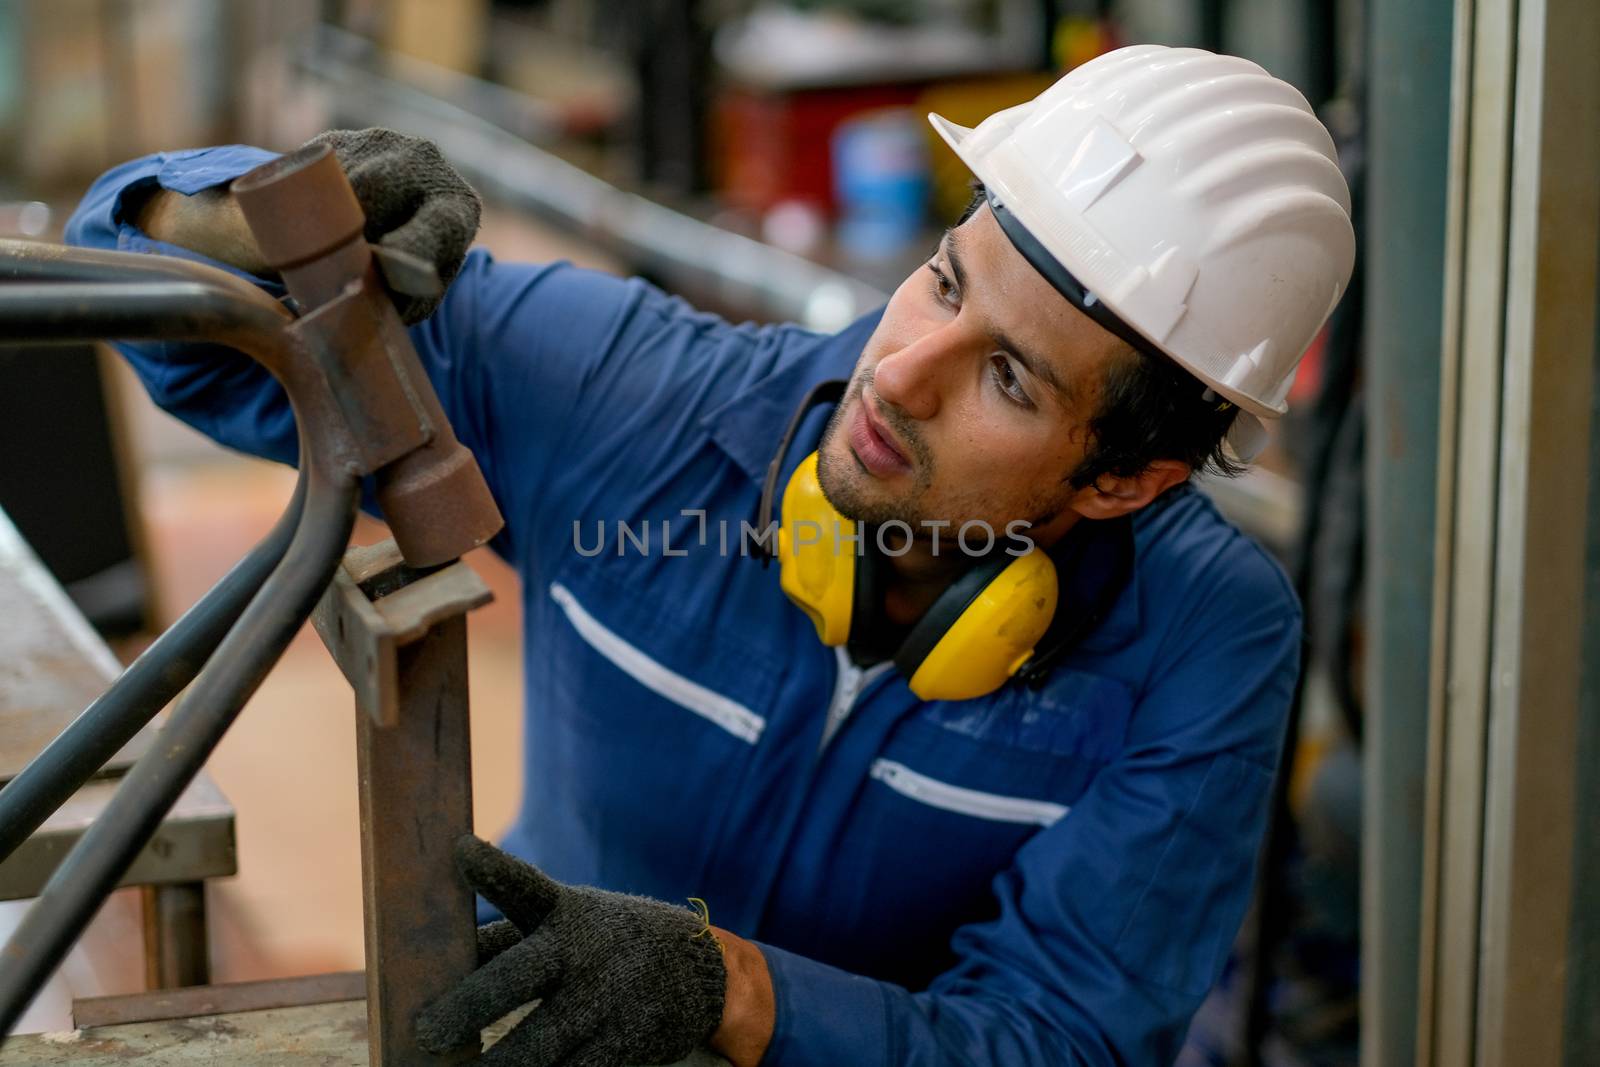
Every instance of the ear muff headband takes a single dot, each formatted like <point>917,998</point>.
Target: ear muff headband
<point>827,392</point>
<point>974,637</point>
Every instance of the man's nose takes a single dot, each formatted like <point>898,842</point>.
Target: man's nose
<point>915,378</point>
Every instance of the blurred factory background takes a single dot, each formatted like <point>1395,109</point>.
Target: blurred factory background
<point>770,161</point>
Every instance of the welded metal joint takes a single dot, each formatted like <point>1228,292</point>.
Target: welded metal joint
<point>309,227</point>
<point>376,605</point>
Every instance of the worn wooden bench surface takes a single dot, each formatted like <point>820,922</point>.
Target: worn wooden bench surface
<point>310,1035</point>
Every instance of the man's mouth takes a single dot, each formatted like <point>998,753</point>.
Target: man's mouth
<point>874,445</point>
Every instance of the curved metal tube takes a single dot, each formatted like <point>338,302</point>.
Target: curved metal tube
<point>165,308</point>
<point>179,301</point>
<point>95,865</point>
<point>34,261</point>
<point>147,686</point>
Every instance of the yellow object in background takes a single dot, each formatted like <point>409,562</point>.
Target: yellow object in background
<point>1078,40</point>
<point>453,35</point>
<point>968,103</point>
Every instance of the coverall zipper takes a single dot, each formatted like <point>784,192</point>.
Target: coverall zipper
<point>848,684</point>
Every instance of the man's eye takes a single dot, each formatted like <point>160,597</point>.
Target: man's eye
<point>943,291</point>
<point>1007,380</point>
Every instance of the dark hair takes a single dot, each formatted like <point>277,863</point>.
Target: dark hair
<point>1150,409</point>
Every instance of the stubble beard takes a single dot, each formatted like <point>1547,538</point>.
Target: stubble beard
<point>857,496</point>
<point>850,489</point>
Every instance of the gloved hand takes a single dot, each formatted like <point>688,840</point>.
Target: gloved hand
<point>621,979</point>
<point>415,202</point>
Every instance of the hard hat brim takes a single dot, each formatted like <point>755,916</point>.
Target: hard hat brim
<point>953,135</point>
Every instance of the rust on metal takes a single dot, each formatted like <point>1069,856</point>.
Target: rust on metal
<point>399,634</point>
<point>377,604</point>
<point>430,487</point>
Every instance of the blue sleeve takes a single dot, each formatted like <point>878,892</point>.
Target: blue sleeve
<point>222,393</point>
<point>1112,924</point>
<point>508,351</point>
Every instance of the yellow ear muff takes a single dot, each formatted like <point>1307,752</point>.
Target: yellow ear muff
<point>994,635</point>
<point>817,565</point>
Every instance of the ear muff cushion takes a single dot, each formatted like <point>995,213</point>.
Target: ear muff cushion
<point>992,635</point>
<point>817,568</point>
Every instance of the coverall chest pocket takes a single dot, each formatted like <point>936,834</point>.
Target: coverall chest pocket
<point>652,722</point>
<point>959,787</point>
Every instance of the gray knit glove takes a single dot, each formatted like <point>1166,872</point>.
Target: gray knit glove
<point>620,979</point>
<point>415,203</point>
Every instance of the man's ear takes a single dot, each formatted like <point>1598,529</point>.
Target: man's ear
<point>1111,497</point>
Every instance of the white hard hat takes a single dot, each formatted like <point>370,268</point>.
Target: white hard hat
<point>1193,196</point>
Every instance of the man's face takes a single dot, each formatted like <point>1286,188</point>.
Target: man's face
<point>972,399</point>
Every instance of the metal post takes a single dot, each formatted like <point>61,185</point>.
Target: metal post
<point>1502,831</point>
<point>1530,826</point>
<point>1583,965</point>
<point>175,949</point>
<point>400,637</point>
<point>1408,123</point>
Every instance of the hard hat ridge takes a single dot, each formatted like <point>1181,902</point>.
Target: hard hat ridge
<point>1193,193</point>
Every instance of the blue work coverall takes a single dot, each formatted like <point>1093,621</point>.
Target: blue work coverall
<point>1039,876</point>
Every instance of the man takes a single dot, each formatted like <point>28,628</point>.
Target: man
<point>1049,871</point>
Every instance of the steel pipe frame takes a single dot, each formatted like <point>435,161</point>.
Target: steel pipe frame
<point>171,663</point>
<point>148,685</point>
<point>174,300</point>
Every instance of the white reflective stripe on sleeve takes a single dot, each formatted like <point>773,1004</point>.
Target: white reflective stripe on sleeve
<point>732,716</point>
<point>963,801</point>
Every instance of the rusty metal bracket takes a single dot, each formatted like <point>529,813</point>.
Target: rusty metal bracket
<point>375,606</point>
<point>309,226</point>
<point>399,635</point>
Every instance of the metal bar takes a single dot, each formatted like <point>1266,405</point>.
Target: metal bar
<point>1460,189</point>
<point>1470,403</point>
<point>399,636</point>
<point>55,312</point>
<point>175,949</point>
<point>420,931</point>
<point>1583,963</point>
<point>1408,146</point>
<point>89,873</point>
<point>147,686</point>
<point>225,999</point>
<point>37,261</point>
